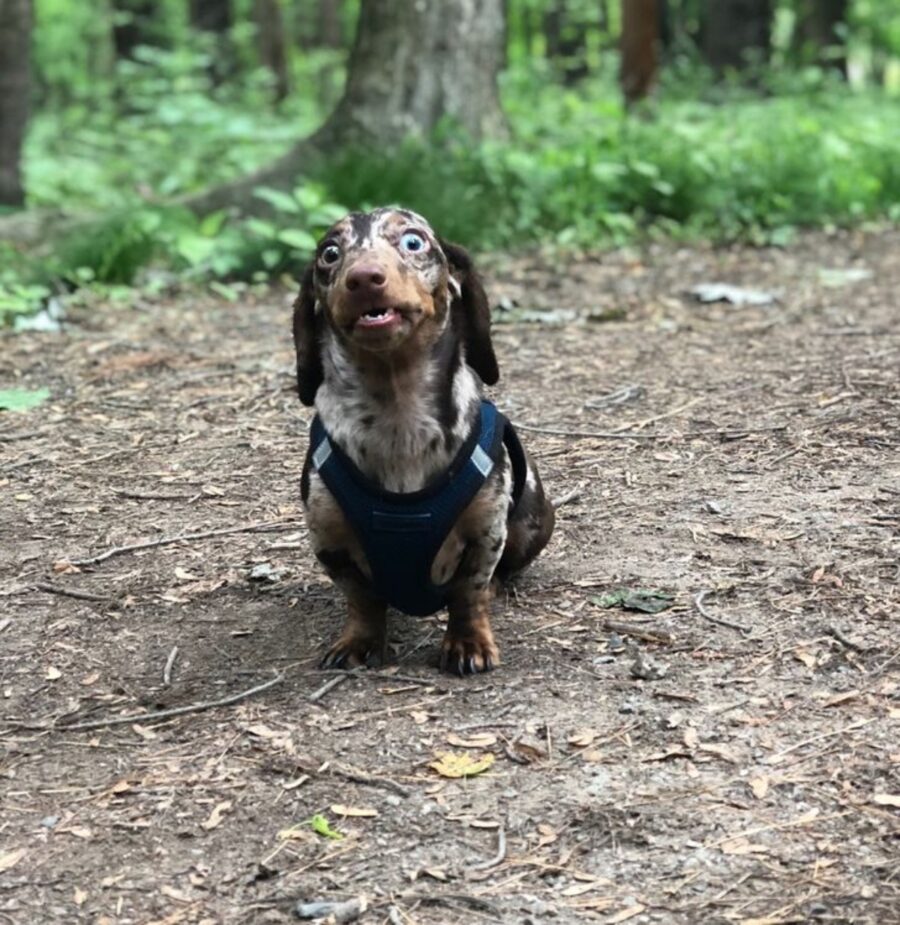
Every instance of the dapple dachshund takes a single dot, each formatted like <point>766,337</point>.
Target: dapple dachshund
<point>416,489</point>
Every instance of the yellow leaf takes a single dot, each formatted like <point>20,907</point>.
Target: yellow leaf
<point>215,817</point>
<point>357,811</point>
<point>759,786</point>
<point>11,858</point>
<point>887,799</point>
<point>479,740</point>
<point>456,764</point>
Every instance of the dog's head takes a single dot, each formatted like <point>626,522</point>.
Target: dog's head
<point>384,283</point>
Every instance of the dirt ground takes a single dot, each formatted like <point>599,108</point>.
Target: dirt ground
<point>734,758</point>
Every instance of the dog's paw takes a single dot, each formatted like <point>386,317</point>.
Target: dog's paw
<point>353,652</point>
<point>471,653</point>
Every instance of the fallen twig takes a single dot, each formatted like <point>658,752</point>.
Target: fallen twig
<point>835,633</point>
<point>498,858</point>
<point>152,717</point>
<point>360,777</point>
<point>184,537</point>
<point>329,685</point>
<point>698,603</point>
<point>645,633</point>
<point>70,592</point>
<point>566,498</point>
<point>170,663</point>
<point>731,432</point>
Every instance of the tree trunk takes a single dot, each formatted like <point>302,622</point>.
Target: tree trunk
<point>15,86</point>
<point>211,15</point>
<point>271,43</point>
<point>640,48</point>
<point>736,32</point>
<point>820,29</point>
<point>411,66</point>
<point>329,29</point>
<point>135,22</point>
<point>565,41</point>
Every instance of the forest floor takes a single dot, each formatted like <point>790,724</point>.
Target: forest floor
<point>734,758</point>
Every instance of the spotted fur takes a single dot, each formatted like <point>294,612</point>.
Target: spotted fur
<point>392,333</point>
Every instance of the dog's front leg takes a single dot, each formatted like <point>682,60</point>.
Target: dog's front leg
<point>364,634</point>
<point>468,645</point>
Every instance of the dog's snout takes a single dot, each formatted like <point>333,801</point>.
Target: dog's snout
<point>366,279</point>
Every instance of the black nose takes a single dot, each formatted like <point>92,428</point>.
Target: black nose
<point>366,279</point>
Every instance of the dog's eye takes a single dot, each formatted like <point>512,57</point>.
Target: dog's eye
<point>330,255</point>
<point>413,242</point>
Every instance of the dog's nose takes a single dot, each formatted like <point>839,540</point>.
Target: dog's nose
<point>366,279</point>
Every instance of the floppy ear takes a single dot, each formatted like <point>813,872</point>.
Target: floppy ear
<point>470,307</point>
<point>306,340</point>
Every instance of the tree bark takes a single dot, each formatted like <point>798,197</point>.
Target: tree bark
<point>735,32</point>
<point>329,29</point>
<point>820,29</point>
<point>411,66</point>
<point>271,43</point>
<point>640,48</point>
<point>135,22</point>
<point>15,86</point>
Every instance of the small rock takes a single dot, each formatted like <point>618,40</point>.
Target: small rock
<point>348,911</point>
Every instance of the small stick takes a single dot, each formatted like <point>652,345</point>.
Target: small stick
<point>831,733</point>
<point>566,498</point>
<point>498,858</point>
<point>152,717</point>
<point>624,435</point>
<point>183,537</point>
<point>170,662</point>
<point>68,592</point>
<point>698,603</point>
<point>360,777</point>
<point>329,685</point>
<point>835,633</point>
<point>645,633</point>
<point>639,425</point>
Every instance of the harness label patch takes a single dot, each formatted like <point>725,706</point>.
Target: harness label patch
<point>323,451</point>
<point>483,463</point>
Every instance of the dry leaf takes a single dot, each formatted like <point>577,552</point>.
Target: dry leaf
<point>626,914</point>
<point>741,845</point>
<point>887,799</point>
<point>803,656</point>
<point>11,858</point>
<point>594,756</point>
<point>548,835</point>
<point>841,698</point>
<point>418,716</point>
<point>759,786</point>
<point>484,824</point>
<point>79,831</point>
<point>215,817</point>
<point>92,678</point>
<point>479,740</point>
<point>720,751</point>
<point>122,786</point>
<point>145,732</point>
<point>529,752</point>
<point>582,738</point>
<point>184,575</point>
<point>690,737</point>
<point>456,764</point>
<point>261,731</point>
<point>579,889</point>
<point>435,873</point>
<point>53,674</point>
<point>79,896</point>
<point>357,811</point>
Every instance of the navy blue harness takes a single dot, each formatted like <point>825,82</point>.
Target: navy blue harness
<point>401,533</point>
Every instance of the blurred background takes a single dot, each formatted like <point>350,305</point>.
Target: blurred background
<point>153,142</point>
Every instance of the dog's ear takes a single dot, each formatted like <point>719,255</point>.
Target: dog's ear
<point>307,335</point>
<point>471,308</point>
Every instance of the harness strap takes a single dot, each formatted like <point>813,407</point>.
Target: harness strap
<point>401,533</point>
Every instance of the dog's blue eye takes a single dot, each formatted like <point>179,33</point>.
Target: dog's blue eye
<point>413,242</point>
<point>330,254</point>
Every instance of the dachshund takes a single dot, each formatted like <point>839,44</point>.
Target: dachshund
<point>416,489</point>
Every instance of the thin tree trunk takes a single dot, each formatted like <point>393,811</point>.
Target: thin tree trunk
<point>329,32</point>
<point>271,43</point>
<point>640,48</point>
<point>737,32</point>
<point>411,66</point>
<point>15,86</point>
<point>820,28</point>
<point>565,41</point>
<point>215,17</point>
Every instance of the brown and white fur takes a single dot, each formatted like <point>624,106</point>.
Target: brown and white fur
<point>392,333</point>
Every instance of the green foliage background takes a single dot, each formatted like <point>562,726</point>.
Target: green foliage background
<point>703,158</point>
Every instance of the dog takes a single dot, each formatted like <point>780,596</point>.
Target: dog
<point>417,491</point>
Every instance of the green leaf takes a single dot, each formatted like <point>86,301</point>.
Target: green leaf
<point>22,399</point>
<point>298,239</point>
<point>636,599</point>
<point>321,826</point>
<point>282,202</point>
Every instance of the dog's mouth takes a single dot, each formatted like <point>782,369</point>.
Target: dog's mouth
<point>380,316</point>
